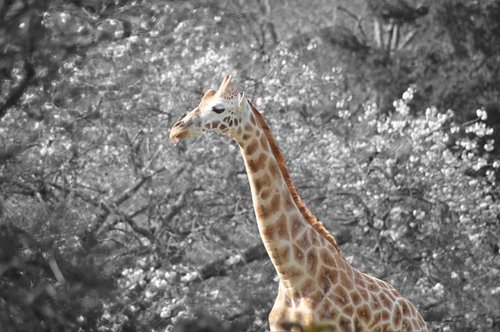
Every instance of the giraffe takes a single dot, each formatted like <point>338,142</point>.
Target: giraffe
<point>318,289</point>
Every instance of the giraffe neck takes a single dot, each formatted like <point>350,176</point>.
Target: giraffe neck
<point>291,234</point>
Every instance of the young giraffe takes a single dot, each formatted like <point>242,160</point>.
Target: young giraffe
<point>317,287</point>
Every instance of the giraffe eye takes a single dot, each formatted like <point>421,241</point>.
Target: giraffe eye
<point>218,110</point>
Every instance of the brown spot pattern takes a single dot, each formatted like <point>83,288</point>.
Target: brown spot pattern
<point>307,286</point>
<point>262,182</point>
<point>271,209</point>
<point>327,258</point>
<point>253,166</point>
<point>273,169</point>
<point>347,288</point>
<point>375,302</point>
<point>357,325</point>
<point>333,275</point>
<point>358,279</point>
<point>376,319</point>
<point>349,310</point>
<point>396,315</point>
<point>363,293</point>
<point>314,238</point>
<point>345,324</point>
<point>391,297</point>
<point>281,254</point>
<point>382,284</point>
<point>252,147</point>
<point>293,272</point>
<point>405,308</point>
<point>344,280</point>
<point>282,227</point>
<point>340,296</point>
<point>316,297</point>
<point>312,261</point>
<point>261,160</point>
<point>386,302</point>
<point>412,309</point>
<point>355,297</point>
<point>288,203</point>
<point>323,280</point>
<point>298,254</point>
<point>275,202</point>
<point>372,287</point>
<point>406,325</point>
<point>295,226</point>
<point>263,142</point>
<point>347,268</point>
<point>268,231</point>
<point>326,311</point>
<point>265,194</point>
<point>261,211</point>
<point>364,313</point>
<point>304,240</point>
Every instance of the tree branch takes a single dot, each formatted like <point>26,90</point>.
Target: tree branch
<point>175,209</point>
<point>11,150</point>
<point>17,92</point>
<point>128,218</point>
<point>221,266</point>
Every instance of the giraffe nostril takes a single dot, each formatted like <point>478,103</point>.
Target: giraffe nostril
<point>179,124</point>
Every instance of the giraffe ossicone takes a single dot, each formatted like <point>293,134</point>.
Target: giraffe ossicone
<point>317,286</point>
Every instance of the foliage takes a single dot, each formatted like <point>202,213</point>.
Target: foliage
<point>403,181</point>
<point>390,45</point>
<point>133,224</point>
<point>38,286</point>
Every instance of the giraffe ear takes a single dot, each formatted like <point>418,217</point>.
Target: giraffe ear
<point>209,93</point>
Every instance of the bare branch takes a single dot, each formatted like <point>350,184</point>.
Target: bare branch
<point>11,150</point>
<point>17,92</point>
<point>138,229</point>
<point>130,191</point>
<point>176,208</point>
<point>369,213</point>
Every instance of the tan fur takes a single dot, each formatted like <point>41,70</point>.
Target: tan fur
<point>317,284</point>
<point>311,219</point>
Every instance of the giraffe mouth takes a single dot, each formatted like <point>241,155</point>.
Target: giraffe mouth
<point>176,137</point>
<point>179,133</point>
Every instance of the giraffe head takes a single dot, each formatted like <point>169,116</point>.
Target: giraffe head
<point>223,111</point>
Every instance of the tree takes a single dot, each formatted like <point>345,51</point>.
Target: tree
<point>87,173</point>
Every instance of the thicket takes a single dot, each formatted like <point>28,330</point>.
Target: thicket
<point>105,226</point>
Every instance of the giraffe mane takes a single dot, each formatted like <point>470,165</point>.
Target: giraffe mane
<point>310,218</point>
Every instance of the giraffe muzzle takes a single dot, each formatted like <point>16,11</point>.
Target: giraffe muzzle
<point>176,134</point>
<point>182,129</point>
